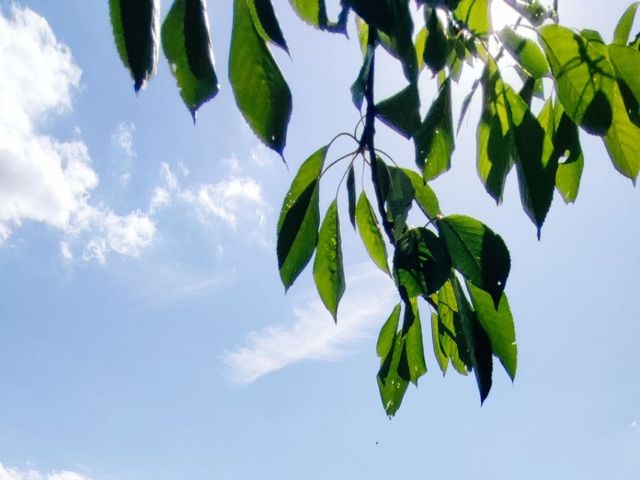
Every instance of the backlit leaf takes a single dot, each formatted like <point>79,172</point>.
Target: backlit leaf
<point>369,230</point>
<point>187,45</point>
<point>260,90</point>
<point>388,333</point>
<point>401,112</point>
<point>328,272</point>
<point>623,140</point>
<point>266,22</point>
<point>136,29</point>
<point>299,219</point>
<point>623,29</point>
<point>475,14</point>
<point>525,51</point>
<point>414,348</point>
<point>425,197</point>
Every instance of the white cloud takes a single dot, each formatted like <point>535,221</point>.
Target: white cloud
<point>45,179</point>
<point>170,179</point>
<point>65,251</point>
<point>7,473</point>
<point>635,425</point>
<point>122,138</point>
<point>313,335</point>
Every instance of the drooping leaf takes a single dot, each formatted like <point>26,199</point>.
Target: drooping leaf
<point>399,199</point>
<point>583,75</point>
<point>434,141</point>
<point>477,340</point>
<point>391,384</point>
<point>626,61</point>
<point>495,136</point>
<point>623,29</point>
<point>421,43</point>
<point>136,29</point>
<point>369,230</point>
<point>266,22</point>
<point>388,333</point>
<point>475,14</point>
<point>424,195</point>
<point>421,264</point>
<point>187,45</point>
<point>534,160</point>
<point>466,103</point>
<point>436,49</point>
<point>414,348</point>
<point>623,140</point>
<point>260,90</point>
<point>351,194</point>
<point>299,219</point>
<point>477,252</point>
<point>401,112</point>
<point>359,86</point>
<point>450,337</point>
<point>498,325</point>
<point>328,272</point>
<point>525,51</point>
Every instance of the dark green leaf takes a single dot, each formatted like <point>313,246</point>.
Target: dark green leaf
<point>369,230</point>
<point>260,90</point>
<point>424,195</point>
<point>434,142</point>
<point>525,51</point>
<point>359,86</point>
<point>436,50</point>
<point>266,22</point>
<point>477,252</point>
<point>623,29</point>
<point>351,193</point>
<point>391,384</point>
<point>135,29</point>
<point>498,325</point>
<point>414,348</point>
<point>299,219</point>
<point>401,111</point>
<point>328,272</point>
<point>399,199</point>
<point>475,14</point>
<point>187,45</point>
<point>477,341</point>
<point>583,75</point>
<point>450,337</point>
<point>388,333</point>
<point>421,264</point>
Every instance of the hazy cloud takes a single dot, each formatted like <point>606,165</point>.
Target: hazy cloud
<point>7,473</point>
<point>313,335</point>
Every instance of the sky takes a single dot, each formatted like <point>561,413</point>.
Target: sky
<point>146,334</point>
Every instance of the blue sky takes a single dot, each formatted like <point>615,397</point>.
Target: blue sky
<point>146,335</point>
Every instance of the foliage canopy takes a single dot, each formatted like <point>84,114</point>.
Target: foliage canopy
<point>566,81</point>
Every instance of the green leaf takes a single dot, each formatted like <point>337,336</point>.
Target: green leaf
<point>623,29</point>
<point>623,140</point>
<point>475,14</point>
<point>434,141</point>
<point>388,333</point>
<point>525,51</point>
<point>441,356</point>
<point>369,230</point>
<point>583,76</point>
<point>495,136</point>
<point>436,49</point>
<point>299,219</point>
<point>391,384</point>
<point>535,162</point>
<point>450,338</point>
<point>310,11</point>
<point>401,112</point>
<point>626,61</point>
<point>136,31</point>
<point>421,264</point>
<point>328,272</point>
<point>499,327</point>
<point>425,197</point>
<point>414,348</point>
<point>477,340</point>
<point>421,43</point>
<point>187,45</point>
<point>351,194</point>
<point>399,199</point>
<point>260,90</point>
<point>477,252</point>
<point>266,22</point>
<point>359,86</point>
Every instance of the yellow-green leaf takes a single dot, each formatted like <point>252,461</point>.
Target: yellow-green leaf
<point>369,230</point>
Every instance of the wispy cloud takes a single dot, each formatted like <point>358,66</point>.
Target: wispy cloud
<point>43,178</point>
<point>7,473</point>
<point>313,335</point>
<point>636,425</point>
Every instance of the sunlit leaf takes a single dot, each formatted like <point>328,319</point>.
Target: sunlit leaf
<point>475,14</point>
<point>425,197</point>
<point>525,51</point>
<point>391,384</point>
<point>414,348</point>
<point>450,337</point>
<point>623,29</point>
<point>136,29</point>
<point>299,219</point>
<point>477,252</point>
<point>328,272</point>
<point>388,333</point>
<point>260,90</point>
<point>369,230</point>
<point>623,140</point>
<point>187,45</point>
